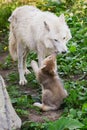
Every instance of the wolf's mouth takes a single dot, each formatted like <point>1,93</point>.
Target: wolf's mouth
<point>58,52</point>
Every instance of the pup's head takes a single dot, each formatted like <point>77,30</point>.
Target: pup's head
<point>58,35</point>
<point>49,64</point>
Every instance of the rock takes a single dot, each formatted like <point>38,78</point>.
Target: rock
<point>9,119</point>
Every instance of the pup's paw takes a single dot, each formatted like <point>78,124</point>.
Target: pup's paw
<point>23,82</point>
<point>26,71</point>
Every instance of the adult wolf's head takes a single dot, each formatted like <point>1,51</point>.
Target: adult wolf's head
<point>58,35</point>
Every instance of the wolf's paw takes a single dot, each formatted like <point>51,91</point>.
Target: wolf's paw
<point>23,82</point>
<point>26,71</point>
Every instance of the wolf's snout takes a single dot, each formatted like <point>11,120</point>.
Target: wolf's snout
<point>63,52</point>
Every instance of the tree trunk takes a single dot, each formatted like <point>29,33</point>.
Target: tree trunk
<point>9,120</point>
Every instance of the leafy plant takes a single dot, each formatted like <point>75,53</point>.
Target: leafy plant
<point>72,67</point>
<point>64,124</point>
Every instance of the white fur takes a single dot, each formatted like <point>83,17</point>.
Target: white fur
<point>43,107</point>
<point>32,29</point>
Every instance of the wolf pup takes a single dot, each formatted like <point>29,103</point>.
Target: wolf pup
<point>38,31</point>
<point>53,92</point>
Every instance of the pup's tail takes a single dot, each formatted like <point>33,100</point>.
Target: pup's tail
<point>44,107</point>
<point>12,45</point>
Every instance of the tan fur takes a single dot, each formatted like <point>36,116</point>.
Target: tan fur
<point>53,92</point>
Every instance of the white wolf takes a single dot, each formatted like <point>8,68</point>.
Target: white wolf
<point>33,29</point>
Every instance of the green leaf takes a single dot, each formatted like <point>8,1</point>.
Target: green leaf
<point>84,107</point>
<point>65,123</point>
<point>72,48</point>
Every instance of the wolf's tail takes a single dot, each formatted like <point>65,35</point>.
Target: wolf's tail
<point>12,45</point>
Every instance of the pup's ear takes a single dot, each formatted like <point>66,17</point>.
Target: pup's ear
<point>43,67</point>
<point>46,26</point>
<point>62,18</point>
<point>47,70</point>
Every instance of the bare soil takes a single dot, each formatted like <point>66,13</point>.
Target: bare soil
<point>43,116</point>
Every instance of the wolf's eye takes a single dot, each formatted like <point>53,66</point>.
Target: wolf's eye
<point>64,38</point>
<point>55,40</point>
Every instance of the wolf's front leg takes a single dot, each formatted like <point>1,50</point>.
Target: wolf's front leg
<point>41,57</point>
<point>41,53</point>
<point>35,67</point>
<point>20,51</point>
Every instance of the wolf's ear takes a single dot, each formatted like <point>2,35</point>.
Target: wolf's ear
<point>46,26</point>
<point>62,18</point>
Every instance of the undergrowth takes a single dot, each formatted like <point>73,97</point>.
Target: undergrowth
<point>72,68</point>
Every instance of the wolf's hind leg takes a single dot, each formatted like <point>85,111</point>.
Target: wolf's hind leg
<point>20,52</point>
<point>26,71</point>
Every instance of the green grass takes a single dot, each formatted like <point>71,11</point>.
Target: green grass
<point>72,68</point>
